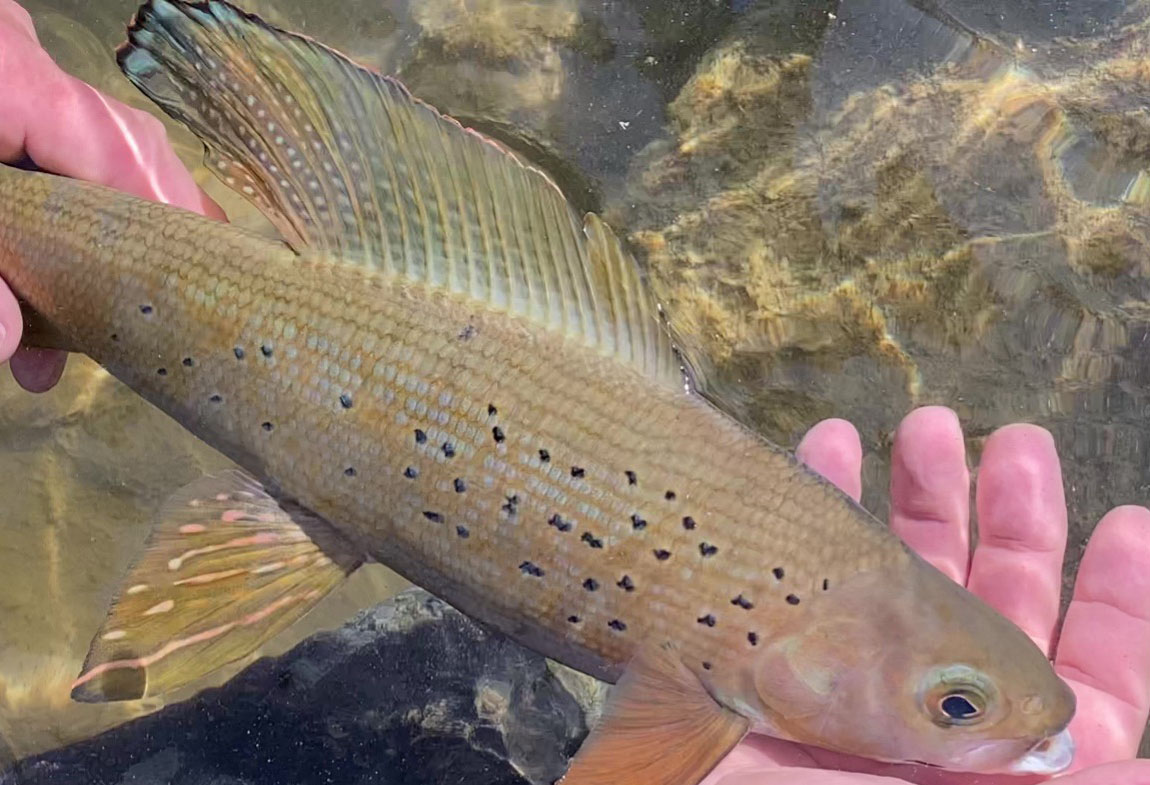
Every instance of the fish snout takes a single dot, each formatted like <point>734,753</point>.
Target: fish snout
<point>1049,756</point>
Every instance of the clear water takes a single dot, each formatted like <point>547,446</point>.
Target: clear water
<point>851,209</point>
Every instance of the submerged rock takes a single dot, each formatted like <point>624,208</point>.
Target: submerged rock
<point>410,691</point>
<point>921,210</point>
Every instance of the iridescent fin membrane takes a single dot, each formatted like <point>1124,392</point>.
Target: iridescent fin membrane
<point>660,727</point>
<point>349,166</point>
<point>226,568</point>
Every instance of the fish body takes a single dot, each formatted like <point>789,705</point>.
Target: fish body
<point>446,370</point>
<point>596,474</point>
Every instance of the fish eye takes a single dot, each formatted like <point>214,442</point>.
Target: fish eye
<point>956,695</point>
<point>958,706</point>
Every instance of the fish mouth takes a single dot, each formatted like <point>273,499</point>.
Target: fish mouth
<point>1049,756</point>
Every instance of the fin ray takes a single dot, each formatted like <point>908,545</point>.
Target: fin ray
<point>661,721</point>
<point>350,167</point>
<point>226,568</point>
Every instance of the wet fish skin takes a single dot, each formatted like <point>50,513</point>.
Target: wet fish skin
<point>209,288</point>
<point>504,459</point>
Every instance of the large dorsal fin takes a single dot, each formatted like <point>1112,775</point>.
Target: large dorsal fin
<point>345,162</point>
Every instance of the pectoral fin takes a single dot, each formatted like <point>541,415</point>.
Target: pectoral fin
<point>661,727</point>
<point>226,568</point>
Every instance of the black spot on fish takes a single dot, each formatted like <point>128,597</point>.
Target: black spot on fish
<point>826,584</point>
<point>146,309</point>
<point>345,400</point>
<point>707,549</point>
<point>266,350</point>
<point>216,398</point>
<point>511,505</point>
<point>115,336</point>
<point>467,333</point>
<point>557,521</point>
<point>527,568</point>
<point>632,478</point>
<point>420,436</point>
<point>349,471</point>
<point>448,449</point>
<point>411,472</point>
<point>617,625</point>
<point>591,540</point>
<point>669,496</point>
<point>753,638</point>
<point>662,554</point>
<point>434,517</point>
<point>544,456</point>
<point>267,426</point>
<point>778,573</point>
<point>706,666</point>
<point>688,522</point>
<point>491,410</point>
<point>577,471</point>
<point>793,599</point>
<point>743,603</point>
<point>188,362</point>
<point>708,620</point>
<point>626,584</point>
<point>497,434</point>
<point>239,352</point>
<point>161,372</point>
<point>462,532</point>
<point>637,523</point>
<point>573,619</point>
<point>460,485</point>
<point>591,584</point>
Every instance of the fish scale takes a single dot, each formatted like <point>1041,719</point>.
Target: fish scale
<point>445,370</point>
<point>548,394</point>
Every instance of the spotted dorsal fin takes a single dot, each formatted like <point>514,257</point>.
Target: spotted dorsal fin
<point>348,165</point>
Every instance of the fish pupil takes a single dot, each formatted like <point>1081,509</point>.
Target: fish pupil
<point>958,707</point>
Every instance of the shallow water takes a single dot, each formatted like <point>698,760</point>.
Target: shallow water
<point>849,210</point>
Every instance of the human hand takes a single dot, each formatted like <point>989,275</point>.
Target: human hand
<point>1103,649</point>
<point>62,125</point>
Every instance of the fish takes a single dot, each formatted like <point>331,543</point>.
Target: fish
<point>442,367</point>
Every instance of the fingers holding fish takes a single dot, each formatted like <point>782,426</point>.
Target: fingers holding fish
<point>10,324</point>
<point>1017,566</point>
<point>13,16</point>
<point>832,448</point>
<point>930,489</point>
<point>35,370</point>
<point>63,125</point>
<point>68,127</point>
<point>1104,647</point>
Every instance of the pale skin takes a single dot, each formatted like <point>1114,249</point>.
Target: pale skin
<point>65,126</point>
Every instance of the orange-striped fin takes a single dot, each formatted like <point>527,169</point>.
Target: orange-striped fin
<point>226,568</point>
<point>661,727</point>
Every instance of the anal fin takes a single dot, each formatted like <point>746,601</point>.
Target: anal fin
<point>226,568</point>
<point>660,727</point>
